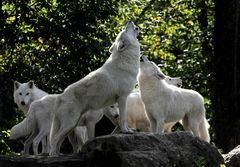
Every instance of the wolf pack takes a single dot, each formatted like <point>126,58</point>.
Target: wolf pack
<point>155,107</point>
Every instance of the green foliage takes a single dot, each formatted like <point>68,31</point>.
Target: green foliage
<point>201,161</point>
<point>55,43</point>
<point>178,35</point>
<point>4,148</point>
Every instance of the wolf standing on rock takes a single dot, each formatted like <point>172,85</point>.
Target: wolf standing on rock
<point>165,103</point>
<point>109,84</point>
<point>24,95</point>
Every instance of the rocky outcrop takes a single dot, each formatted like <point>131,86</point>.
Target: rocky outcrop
<point>151,150</point>
<point>233,157</point>
<point>131,150</point>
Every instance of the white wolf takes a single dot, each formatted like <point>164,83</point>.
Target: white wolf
<point>38,121</point>
<point>166,103</point>
<point>25,93</point>
<point>109,84</point>
<point>89,120</point>
<point>136,114</point>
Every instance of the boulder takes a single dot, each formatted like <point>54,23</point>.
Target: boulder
<point>151,150</point>
<point>131,150</point>
<point>233,157</point>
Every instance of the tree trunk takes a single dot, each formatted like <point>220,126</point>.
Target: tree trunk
<point>226,84</point>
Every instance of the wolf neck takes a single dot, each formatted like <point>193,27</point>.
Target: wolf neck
<point>146,84</point>
<point>151,83</point>
<point>129,58</point>
<point>38,94</point>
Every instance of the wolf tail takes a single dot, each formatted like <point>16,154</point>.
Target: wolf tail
<point>24,128</point>
<point>19,130</point>
<point>203,130</point>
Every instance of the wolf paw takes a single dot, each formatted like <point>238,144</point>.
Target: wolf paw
<point>53,154</point>
<point>129,131</point>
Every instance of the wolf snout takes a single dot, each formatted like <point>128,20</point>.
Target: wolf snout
<point>130,24</point>
<point>22,103</point>
<point>131,28</point>
<point>116,116</point>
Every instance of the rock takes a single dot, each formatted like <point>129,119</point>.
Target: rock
<point>233,157</point>
<point>151,150</point>
<point>131,150</point>
<point>43,161</point>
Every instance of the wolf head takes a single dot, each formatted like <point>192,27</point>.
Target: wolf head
<point>112,112</point>
<point>23,93</point>
<point>149,69</point>
<point>126,38</point>
<point>177,81</point>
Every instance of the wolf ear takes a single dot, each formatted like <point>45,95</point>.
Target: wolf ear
<point>30,84</point>
<point>160,76</point>
<point>16,85</point>
<point>121,45</point>
<point>111,48</point>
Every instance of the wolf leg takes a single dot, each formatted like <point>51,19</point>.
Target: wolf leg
<point>44,145</point>
<point>28,142</point>
<point>67,123</point>
<point>40,137</point>
<point>123,117</point>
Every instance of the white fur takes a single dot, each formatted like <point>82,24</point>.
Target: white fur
<point>20,130</point>
<point>165,103</point>
<point>86,126</point>
<point>37,124</point>
<point>109,84</point>
<point>176,81</point>
<point>78,137</point>
<point>38,121</point>
<point>136,114</point>
<point>25,93</point>
<point>137,117</point>
<point>90,118</point>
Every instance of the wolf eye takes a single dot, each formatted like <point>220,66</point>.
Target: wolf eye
<point>20,94</point>
<point>27,93</point>
<point>136,28</point>
<point>112,106</point>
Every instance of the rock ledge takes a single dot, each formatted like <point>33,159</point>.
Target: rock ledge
<point>131,150</point>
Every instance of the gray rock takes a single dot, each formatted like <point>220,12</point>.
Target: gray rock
<point>233,157</point>
<point>151,150</point>
<point>43,161</point>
